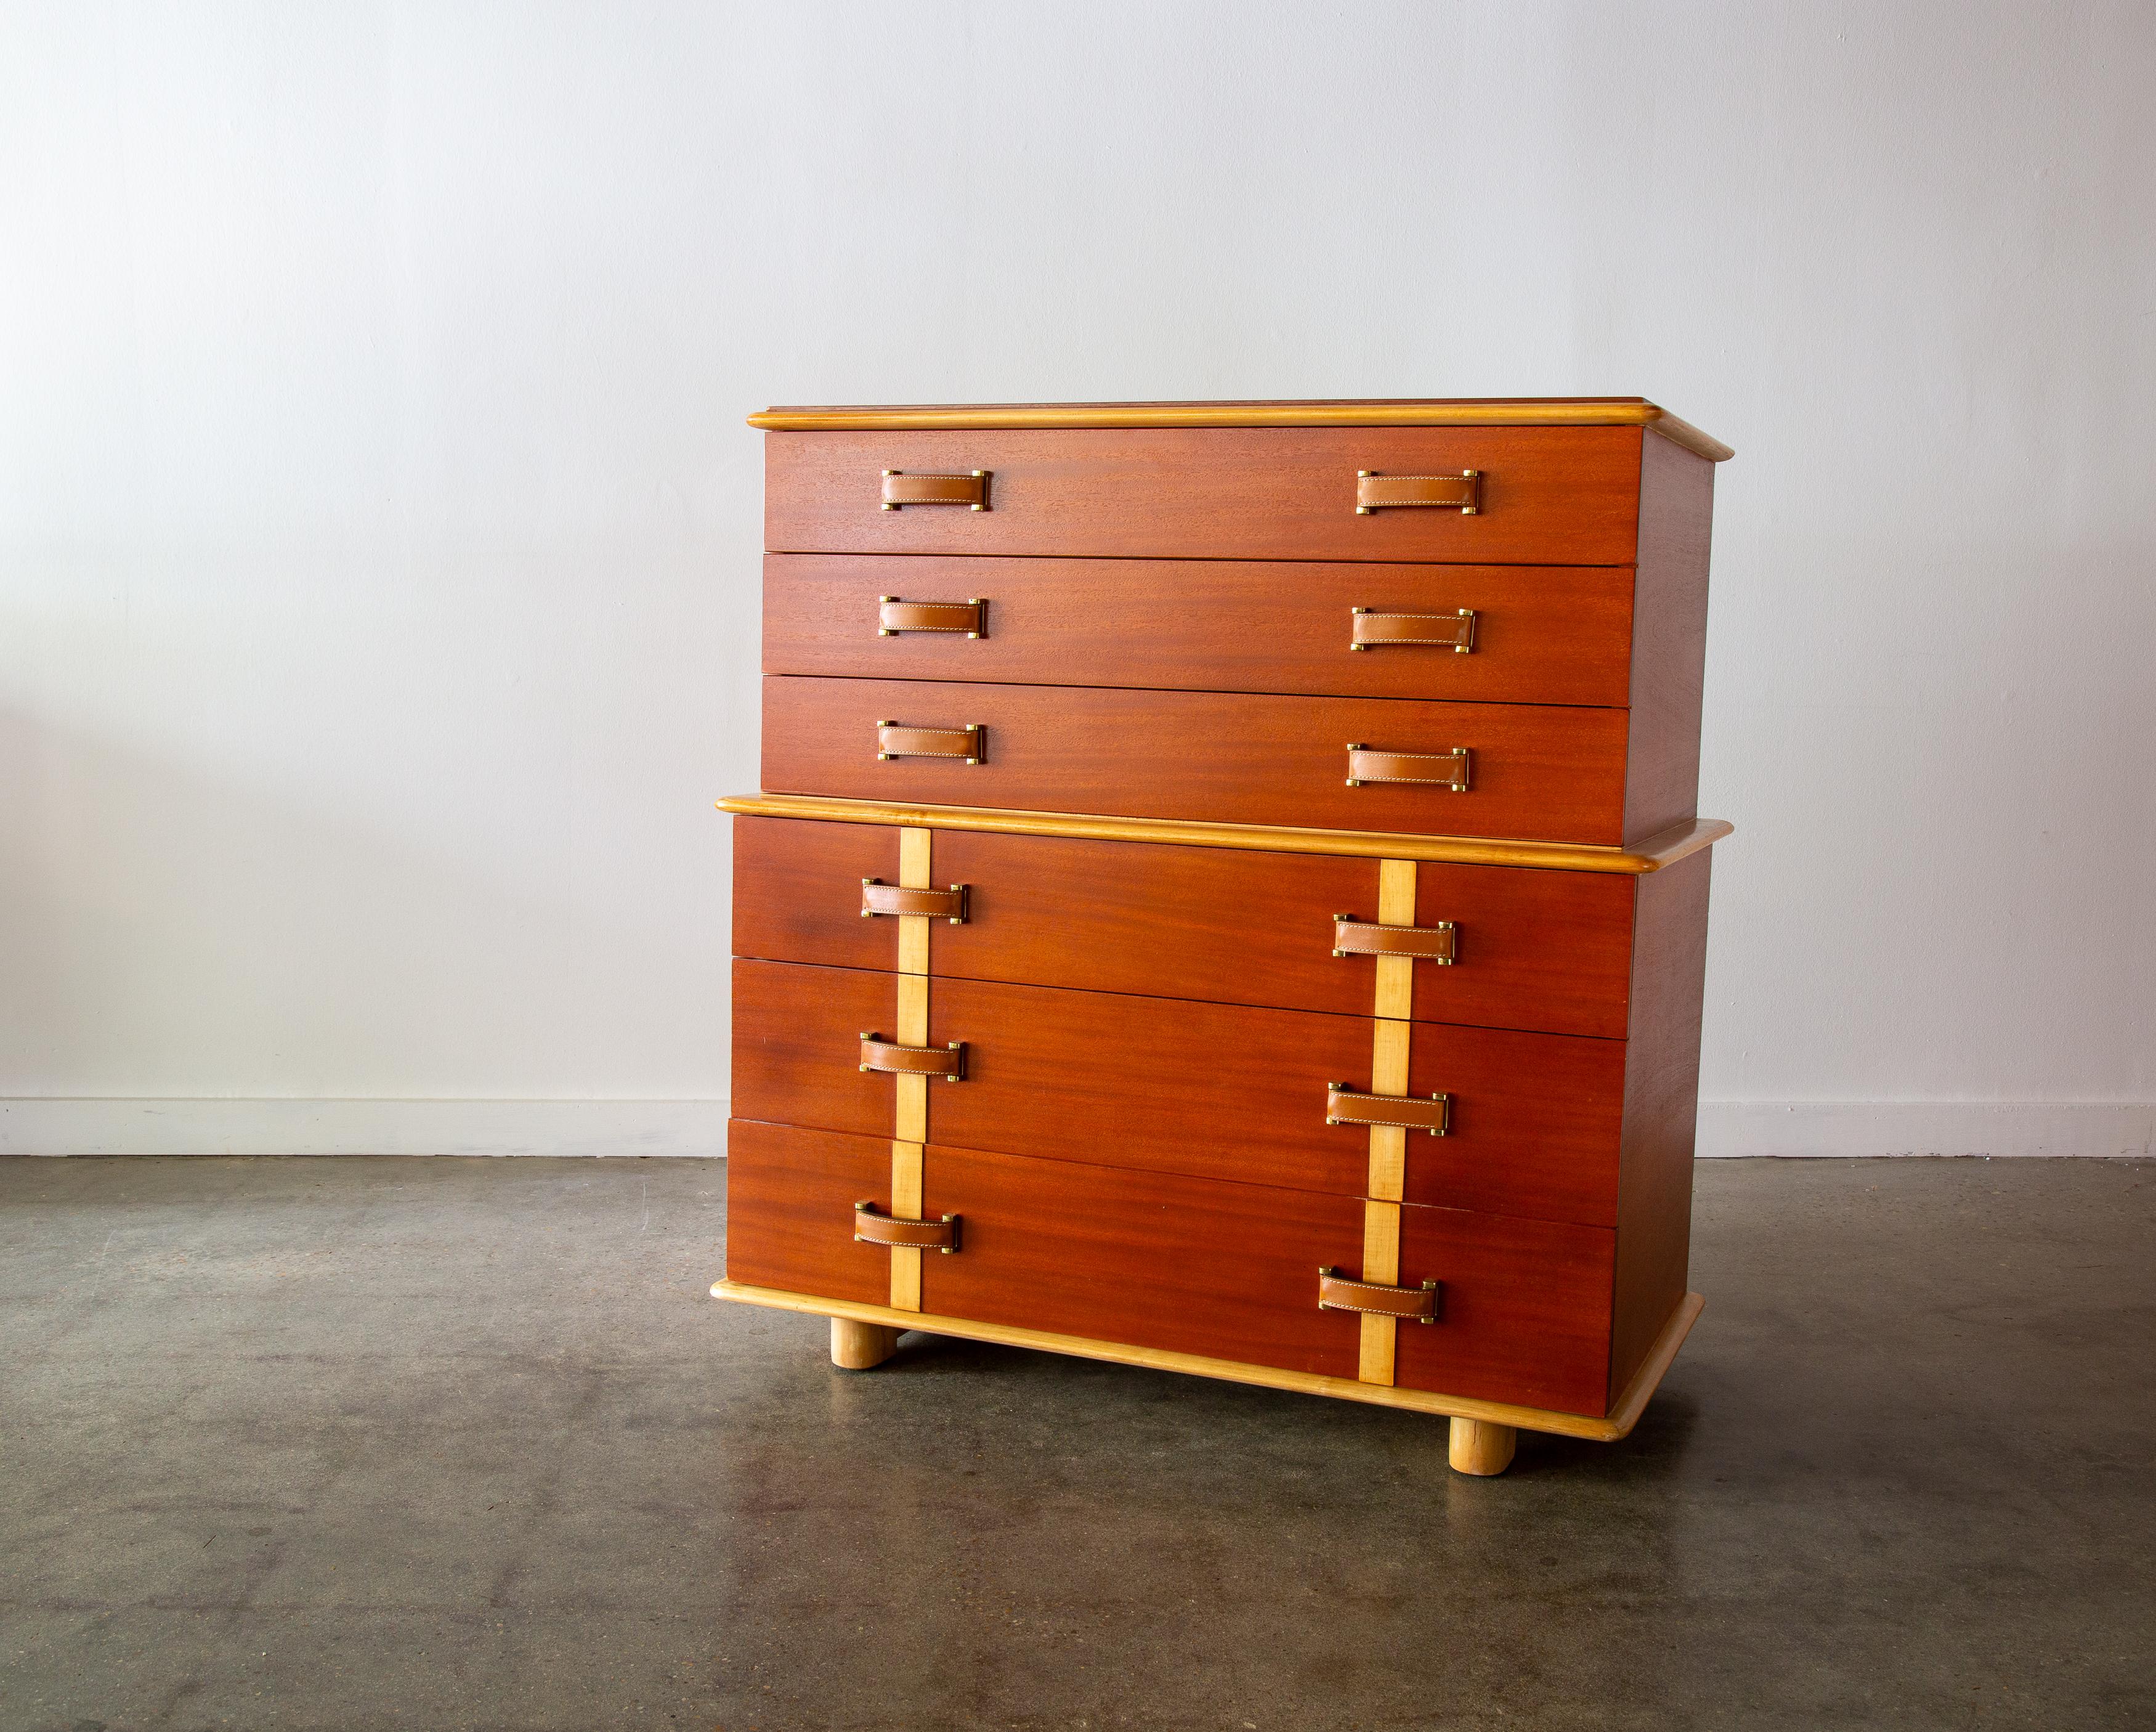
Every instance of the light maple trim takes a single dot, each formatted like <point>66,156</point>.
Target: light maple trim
<point>1398,411</point>
<point>1663,849</point>
<point>1616,1423</point>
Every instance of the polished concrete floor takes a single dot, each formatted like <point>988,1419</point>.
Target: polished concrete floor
<point>463,1443</point>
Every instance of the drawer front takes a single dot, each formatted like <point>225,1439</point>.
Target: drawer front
<point>1180,1264</point>
<point>1546,951</point>
<point>790,1197</point>
<point>1535,772</point>
<point>1211,1091</point>
<point>1523,1315</point>
<point>1547,496</point>
<point>1558,634</point>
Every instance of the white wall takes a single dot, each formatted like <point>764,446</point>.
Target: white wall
<point>378,530</point>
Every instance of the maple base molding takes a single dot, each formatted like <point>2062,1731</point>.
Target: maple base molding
<point>93,1126</point>
<point>2109,1129</point>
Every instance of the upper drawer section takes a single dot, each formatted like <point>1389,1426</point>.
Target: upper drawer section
<point>1546,496</point>
<point>1501,634</point>
<point>1543,772</point>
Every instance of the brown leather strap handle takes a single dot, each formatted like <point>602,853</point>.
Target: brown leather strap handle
<point>1346,1106</point>
<point>969,744</point>
<point>872,1226</point>
<point>895,614</point>
<point>1362,937</point>
<point>1374,492</point>
<point>1369,630</point>
<point>1450,770</point>
<point>878,897</point>
<point>901,489</point>
<point>1410,1304</point>
<point>948,1062</point>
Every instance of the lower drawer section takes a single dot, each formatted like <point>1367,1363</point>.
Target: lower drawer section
<point>1213,1091</point>
<point>1197,1265</point>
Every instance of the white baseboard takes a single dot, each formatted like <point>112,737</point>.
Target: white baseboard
<point>40,1126</point>
<point>302,1127</point>
<point>1988,1127</point>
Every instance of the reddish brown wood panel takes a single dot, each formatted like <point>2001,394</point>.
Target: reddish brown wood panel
<point>790,1197</point>
<point>796,1046</point>
<point>1534,1121</point>
<point>1524,1315</point>
<point>1669,666</point>
<point>1214,1091</point>
<point>1539,950</point>
<point>1550,495</point>
<point>1137,918</point>
<point>1557,635</point>
<point>1661,1110</point>
<point>1153,1260</point>
<point>1542,773</point>
<point>1534,949</point>
<point>798,892</point>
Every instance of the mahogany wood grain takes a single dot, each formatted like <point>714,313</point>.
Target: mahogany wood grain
<point>1556,635</point>
<point>1556,495</point>
<point>1669,662</point>
<point>1661,1110</point>
<point>796,1049</point>
<point>790,1197</point>
<point>1531,1127</point>
<point>798,892</point>
<point>1524,1313</point>
<point>1539,772</point>
<point>1539,950</point>
<point>1214,1091</point>
<point>1156,1259</point>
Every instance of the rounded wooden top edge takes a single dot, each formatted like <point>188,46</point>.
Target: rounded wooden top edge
<point>1465,412</point>
<point>1653,854</point>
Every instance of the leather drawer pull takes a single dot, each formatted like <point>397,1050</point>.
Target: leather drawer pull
<point>895,614</point>
<point>1362,937</point>
<point>878,897</point>
<point>1368,630</point>
<point>1346,1106</point>
<point>970,489</point>
<point>969,744</point>
<point>948,1062</point>
<point>1410,1304</point>
<point>1374,492</point>
<point>1442,770</point>
<point>872,1226</point>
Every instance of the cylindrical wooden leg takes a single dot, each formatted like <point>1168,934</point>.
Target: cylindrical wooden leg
<point>856,1346</point>
<point>1479,1448</point>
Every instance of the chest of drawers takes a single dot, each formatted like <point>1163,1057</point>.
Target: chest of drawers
<point>1227,895</point>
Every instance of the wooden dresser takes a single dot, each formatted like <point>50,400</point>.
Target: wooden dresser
<point>1227,894</point>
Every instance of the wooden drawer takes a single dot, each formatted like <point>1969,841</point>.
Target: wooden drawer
<point>1182,1264</point>
<point>1537,771</point>
<point>1559,634</point>
<point>1212,1090</point>
<point>1566,496</point>
<point>1548,951</point>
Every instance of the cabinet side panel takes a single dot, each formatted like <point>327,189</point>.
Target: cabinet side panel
<point>1669,638</point>
<point>1661,1109</point>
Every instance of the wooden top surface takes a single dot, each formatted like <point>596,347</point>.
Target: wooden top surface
<point>1649,855</point>
<point>1354,412</point>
